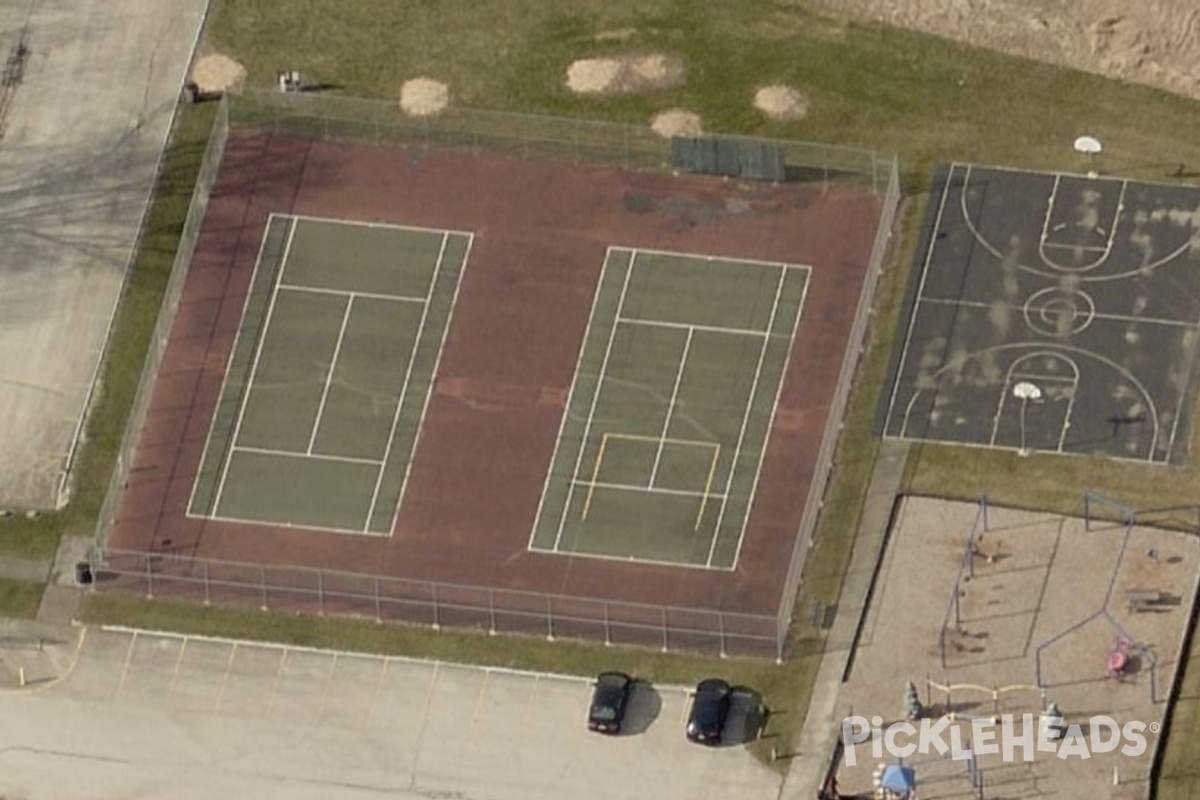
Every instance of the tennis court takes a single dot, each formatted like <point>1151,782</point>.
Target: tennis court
<point>669,411</point>
<point>330,375</point>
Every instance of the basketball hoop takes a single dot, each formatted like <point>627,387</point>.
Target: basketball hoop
<point>1025,391</point>
<point>1089,146</point>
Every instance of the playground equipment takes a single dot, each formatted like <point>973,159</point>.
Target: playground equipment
<point>894,782</point>
<point>1001,699</point>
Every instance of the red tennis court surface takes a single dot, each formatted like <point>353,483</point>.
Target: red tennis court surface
<point>541,233</point>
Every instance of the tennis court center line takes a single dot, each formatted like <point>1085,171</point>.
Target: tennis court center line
<point>437,364</point>
<point>687,346</point>
<point>562,424</point>
<point>587,428</point>
<point>262,245</point>
<point>237,426</point>
<point>337,351</point>
<point>737,450</point>
<point>737,551</point>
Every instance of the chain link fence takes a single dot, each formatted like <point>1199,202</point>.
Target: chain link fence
<point>325,116</point>
<point>205,177</point>
<point>437,604</point>
<point>856,346</point>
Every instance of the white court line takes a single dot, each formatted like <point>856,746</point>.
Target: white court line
<point>687,345</point>
<point>266,329</point>
<point>1015,376</point>
<point>646,489</point>
<point>337,351</point>
<point>737,450</point>
<point>658,323</point>
<point>232,352</point>
<point>266,451</point>
<point>912,321</point>
<point>1099,315</point>
<point>398,298</point>
<point>566,415</point>
<point>710,257</point>
<point>1106,251</point>
<point>274,523</point>
<point>587,429</point>
<point>433,373</point>
<point>355,223</point>
<point>412,359</point>
<point>737,551</point>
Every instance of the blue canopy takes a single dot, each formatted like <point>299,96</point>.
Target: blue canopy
<point>898,778</point>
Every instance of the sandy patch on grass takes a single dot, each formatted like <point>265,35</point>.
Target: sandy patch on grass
<point>781,102</point>
<point>217,73</point>
<point>676,122</point>
<point>422,97</point>
<point>620,74</point>
<point>1155,42</point>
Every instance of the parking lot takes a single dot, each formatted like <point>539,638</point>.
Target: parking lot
<point>186,717</point>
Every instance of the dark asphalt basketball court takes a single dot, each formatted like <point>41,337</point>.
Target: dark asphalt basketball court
<point>1050,312</point>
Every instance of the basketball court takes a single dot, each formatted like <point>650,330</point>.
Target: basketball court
<point>1051,312</point>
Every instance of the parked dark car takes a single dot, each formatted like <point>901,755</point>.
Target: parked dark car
<point>710,709</point>
<point>610,696</point>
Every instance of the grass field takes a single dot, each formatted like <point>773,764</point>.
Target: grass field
<point>901,92</point>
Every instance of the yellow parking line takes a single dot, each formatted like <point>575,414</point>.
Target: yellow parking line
<point>178,661</point>
<point>49,683</point>
<point>275,685</point>
<point>225,677</point>
<point>125,666</point>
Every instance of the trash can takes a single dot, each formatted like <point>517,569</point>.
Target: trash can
<point>83,573</point>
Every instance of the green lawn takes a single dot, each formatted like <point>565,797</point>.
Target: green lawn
<point>19,599</point>
<point>869,86</point>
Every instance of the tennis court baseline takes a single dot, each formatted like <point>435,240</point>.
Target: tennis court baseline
<point>670,408</point>
<point>330,375</point>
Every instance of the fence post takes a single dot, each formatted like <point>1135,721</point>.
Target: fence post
<point>207,589</point>
<point>549,619</point>
<point>721,631</point>
<point>664,628</point>
<point>378,602</point>
<point>437,621</point>
<point>321,592</point>
<point>607,628</point>
<point>262,577</point>
<point>492,610</point>
<point>149,577</point>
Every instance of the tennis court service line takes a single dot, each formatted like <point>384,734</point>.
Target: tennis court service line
<point>658,323</point>
<point>399,298</point>
<point>267,451</point>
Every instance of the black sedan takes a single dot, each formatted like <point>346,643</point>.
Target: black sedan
<point>610,696</point>
<point>710,709</point>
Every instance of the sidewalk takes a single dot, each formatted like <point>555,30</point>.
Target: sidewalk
<point>819,735</point>
<point>36,652</point>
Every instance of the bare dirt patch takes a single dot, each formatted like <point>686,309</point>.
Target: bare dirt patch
<point>217,73</point>
<point>676,122</point>
<point>423,97</point>
<point>781,102</point>
<point>1155,42</point>
<point>621,74</point>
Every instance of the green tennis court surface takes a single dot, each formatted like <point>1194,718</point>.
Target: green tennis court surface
<point>330,375</point>
<point>672,402</point>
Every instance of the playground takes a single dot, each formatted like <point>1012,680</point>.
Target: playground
<point>989,611</point>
